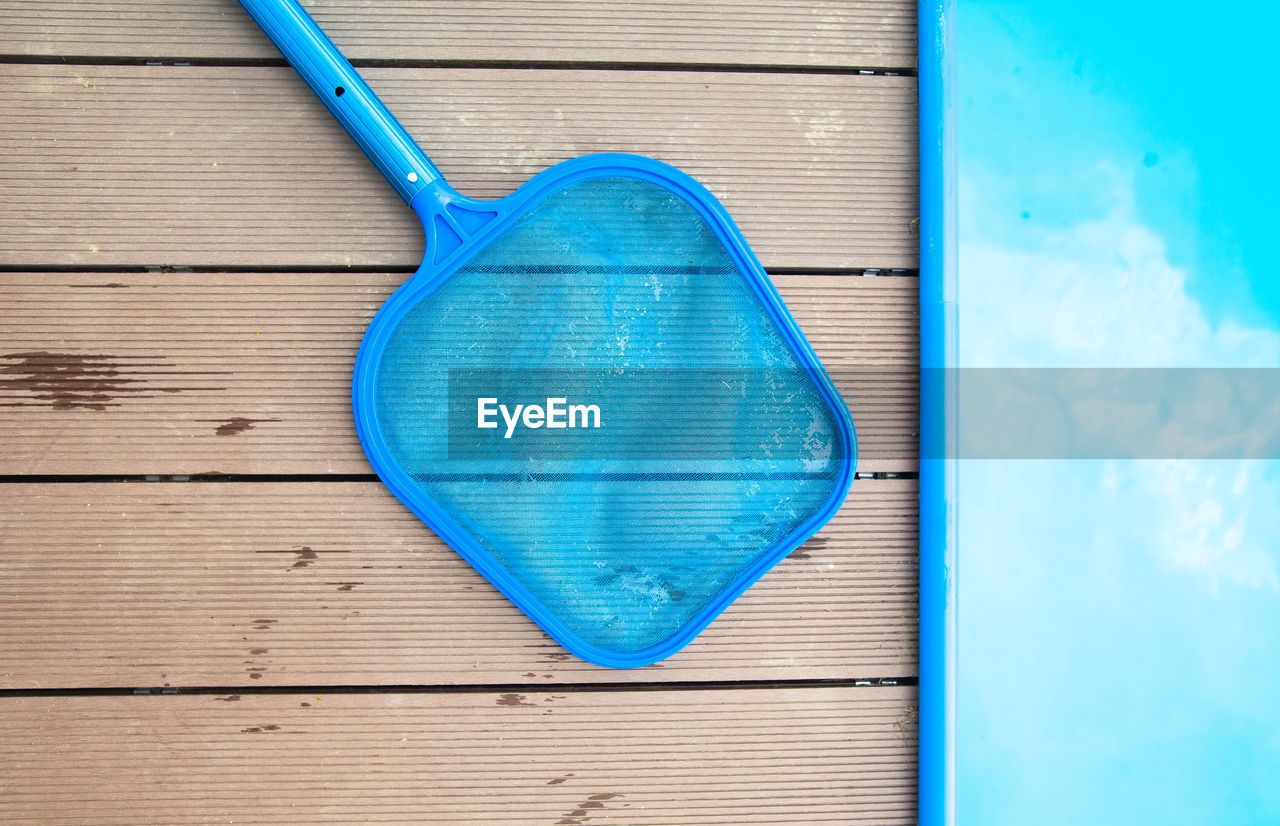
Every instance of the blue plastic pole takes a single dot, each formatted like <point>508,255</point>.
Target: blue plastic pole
<point>938,352</point>
<point>345,93</point>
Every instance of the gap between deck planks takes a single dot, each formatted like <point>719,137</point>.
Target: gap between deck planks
<point>870,33</point>
<point>278,584</point>
<point>242,166</point>
<point>166,373</point>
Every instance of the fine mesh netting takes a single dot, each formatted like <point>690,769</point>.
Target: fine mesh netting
<point>713,443</point>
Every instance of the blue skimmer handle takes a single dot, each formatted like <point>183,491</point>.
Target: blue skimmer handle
<point>348,97</point>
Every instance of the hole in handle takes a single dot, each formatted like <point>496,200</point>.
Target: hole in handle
<point>339,91</point>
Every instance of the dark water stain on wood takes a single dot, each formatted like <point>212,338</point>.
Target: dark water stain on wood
<point>237,425</point>
<point>230,698</point>
<point>234,427</point>
<point>256,651</point>
<point>256,729</point>
<point>580,815</point>
<point>110,285</point>
<point>557,656</point>
<point>66,381</point>
<point>304,705</point>
<point>514,700</point>
<point>305,555</point>
<point>76,381</point>
<point>815,543</point>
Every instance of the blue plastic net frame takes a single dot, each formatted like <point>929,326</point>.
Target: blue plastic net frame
<point>456,229</point>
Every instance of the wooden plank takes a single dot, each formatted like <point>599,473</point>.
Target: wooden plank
<point>800,756</point>
<point>877,33</point>
<point>218,166</point>
<point>279,584</point>
<point>170,373</point>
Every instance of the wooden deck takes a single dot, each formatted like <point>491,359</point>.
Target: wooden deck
<point>211,611</point>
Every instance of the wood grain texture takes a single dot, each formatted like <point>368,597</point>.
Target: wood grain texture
<point>877,33</point>
<point>694,757</point>
<point>278,584</point>
<point>171,373</point>
<point>281,586</point>
<point>216,166</point>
